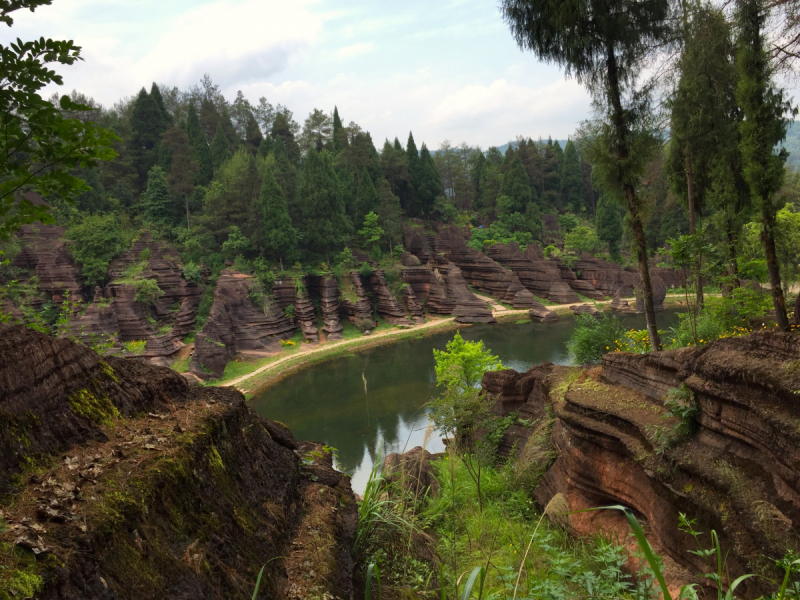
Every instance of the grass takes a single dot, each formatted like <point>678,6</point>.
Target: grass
<point>244,366</point>
<point>181,365</point>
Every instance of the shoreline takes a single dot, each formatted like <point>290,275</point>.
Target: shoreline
<point>273,372</point>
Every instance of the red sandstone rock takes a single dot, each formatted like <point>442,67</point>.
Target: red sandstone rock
<point>535,273</point>
<point>585,309</point>
<point>326,290</point>
<point>387,306</point>
<point>355,303</point>
<point>562,293</point>
<point>235,325</point>
<point>44,253</point>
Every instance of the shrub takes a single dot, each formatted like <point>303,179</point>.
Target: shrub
<point>191,272</point>
<point>135,346</point>
<point>145,254</point>
<point>289,311</point>
<point>364,324</point>
<point>593,337</point>
<point>366,270</point>
<point>147,291</point>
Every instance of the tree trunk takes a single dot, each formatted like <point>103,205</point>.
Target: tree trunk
<point>768,239</point>
<point>186,199</point>
<point>733,266</point>
<point>693,225</point>
<point>631,199</point>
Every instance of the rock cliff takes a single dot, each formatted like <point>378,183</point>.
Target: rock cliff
<point>712,432</point>
<point>119,481</point>
<point>237,325</point>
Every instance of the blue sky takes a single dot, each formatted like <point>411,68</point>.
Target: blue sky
<point>445,70</point>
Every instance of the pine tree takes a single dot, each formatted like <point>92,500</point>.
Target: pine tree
<point>184,168</point>
<point>282,128</point>
<point>317,132</point>
<point>398,146</point>
<point>413,206</point>
<point>323,222</point>
<point>429,184</point>
<point>571,179</point>
<point>286,176</point>
<point>394,167</point>
<point>516,185</point>
<point>476,173</point>
<point>157,201</point>
<point>279,237</point>
<point>390,213</point>
<point>266,147</point>
<point>764,125</point>
<point>366,198</point>
<point>533,219</point>
<point>164,116</point>
<point>608,223</point>
<point>201,153</point>
<point>220,148</point>
<point>339,136</point>
<point>148,125</point>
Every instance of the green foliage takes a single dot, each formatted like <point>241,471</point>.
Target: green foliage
<point>95,240</point>
<point>371,232</point>
<point>517,186</point>
<point>572,179</point>
<point>191,272</point>
<point>366,198</point>
<point>593,337</point>
<point>608,224</point>
<point>39,146</point>
<point>461,366</point>
<point>135,346</point>
<point>280,238</point>
<point>157,201</point>
<point>567,222</point>
<point>147,291</point>
<point>220,149</point>
<point>582,239</point>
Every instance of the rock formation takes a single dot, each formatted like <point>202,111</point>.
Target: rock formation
<point>387,305</point>
<point>733,463</point>
<point>355,303</point>
<point>44,254</point>
<point>534,271</point>
<point>585,309</point>
<point>128,483</point>
<point>326,291</point>
<point>562,293</point>
<point>235,324</point>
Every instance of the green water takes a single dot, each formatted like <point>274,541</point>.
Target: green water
<point>326,402</point>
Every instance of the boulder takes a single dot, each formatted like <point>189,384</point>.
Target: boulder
<point>585,309</point>
<point>659,293</point>
<point>542,313</point>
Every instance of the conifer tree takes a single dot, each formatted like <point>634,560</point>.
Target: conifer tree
<point>572,179</point>
<point>281,128</point>
<point>603,43</point>
<point>339,136</point>
<point>413,206</point>
<point>148,125</point>
<point>398,146</point>
<point>429,185</point>
<point>279,237</point>
<point>608,223</point>
<point>476,173</point>
<point>366,198</point>
<point>324,224</point>
<point>394,167</point>
<point>533,219</point>
<point>164,116</point>
<point>516,185</point>
<point>286,176</point>
<point>266,147</point>
<point>220,148</point>
<point>157,201</point>
<point>762,129</point>
<point>201,153</point>
<point>183,171</point>
<point>390,213</point>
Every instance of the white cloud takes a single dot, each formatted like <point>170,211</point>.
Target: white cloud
<point>355,50</point>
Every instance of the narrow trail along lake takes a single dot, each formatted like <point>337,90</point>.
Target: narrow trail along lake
<point>328,402</point>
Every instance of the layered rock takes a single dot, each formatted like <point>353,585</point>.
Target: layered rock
<point>468,309</point>
<point>236,325</point>
<point>326,291</point>
<point>607,278</point>
<point>44,254</point>
<point>535,273</point>
<point>735,467</point>
<point>130,484</point>
<point>429,288</point>
<point>355,303</point>
<point>659,293</point>
<point>387,305</point>
<point>585,309</point>
<point>562,293</point>
<point>413,305</point>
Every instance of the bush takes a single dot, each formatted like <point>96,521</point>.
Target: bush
<point>366,270</point>
<point>191,272</point>
<point>147,291</point>
<point>583,239</point>
<point>364,324</point>
<point>94,242</point>
<point>593,337</point>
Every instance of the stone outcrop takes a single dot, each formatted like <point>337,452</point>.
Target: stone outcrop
<point>413,305</point>
<point>355,302</point>
<point>562,293</point>
<point>659,293</point>
<point>235,324</point>
<point>542,313</point>
<point>734,467</point>
<point>469,308</point>
<point>534,271</point>
<point>44,254</point>
<point>607,278</point>
<point>326,291</point>
<point>387,305</point>
<point>585,309</point>
<point>306,318</point>
<point>429,288</point>
<point>128,483</point>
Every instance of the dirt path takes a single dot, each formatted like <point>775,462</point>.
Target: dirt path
<point>326,347</point>
<point>498,310</point>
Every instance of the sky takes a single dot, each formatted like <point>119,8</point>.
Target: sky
<point>446,70</point>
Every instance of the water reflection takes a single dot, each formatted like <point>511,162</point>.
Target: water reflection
<point>327,402</point>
